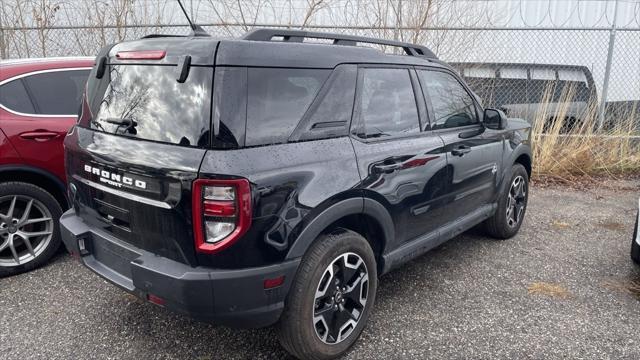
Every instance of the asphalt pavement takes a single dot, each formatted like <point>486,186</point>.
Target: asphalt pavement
<point>565,287</point>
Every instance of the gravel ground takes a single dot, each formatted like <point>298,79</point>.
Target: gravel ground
<point>562,288</point>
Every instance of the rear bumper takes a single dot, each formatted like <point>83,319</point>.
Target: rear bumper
<point>234,298</point>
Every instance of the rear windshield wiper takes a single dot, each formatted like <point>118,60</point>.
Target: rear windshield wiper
<point>128,124</point>
<point>122,122</point>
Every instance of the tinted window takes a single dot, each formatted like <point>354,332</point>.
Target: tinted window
<point>277,99</point>
<point>330,115</point>
<point>452,105</point>
<point>229,107</point>
<point>14,97</point>
<point>387,103</point>
<point>58,92</point>
<point>147,102</point>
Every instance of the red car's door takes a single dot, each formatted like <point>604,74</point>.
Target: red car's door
<point>42,108</point>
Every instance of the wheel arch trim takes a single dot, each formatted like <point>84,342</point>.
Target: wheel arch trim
<point>337,211</point>
<point>37,171</point>
<point>522,149</point>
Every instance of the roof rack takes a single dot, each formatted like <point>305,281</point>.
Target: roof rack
<point>153,36</point>
<point>338,39</point>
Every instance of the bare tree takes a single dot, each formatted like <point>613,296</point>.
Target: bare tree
<point>107,21</point>
<point>313,6</point>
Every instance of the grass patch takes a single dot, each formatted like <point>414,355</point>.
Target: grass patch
<point>627,286</point>
<point>613,226</point>
<point>560,225</point>
<point>566,147</point>
<point>548,289</point>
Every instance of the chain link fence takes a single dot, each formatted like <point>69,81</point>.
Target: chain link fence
<point>538,73</point>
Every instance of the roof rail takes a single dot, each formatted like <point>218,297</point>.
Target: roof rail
<point>153,36</point>
<point>338,39</point>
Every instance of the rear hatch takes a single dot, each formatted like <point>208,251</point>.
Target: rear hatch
<point>142,134</point>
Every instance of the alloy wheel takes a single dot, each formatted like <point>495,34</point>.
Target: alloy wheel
<point>516,201</point>
<point>26,229</point>
<point>340,298</point>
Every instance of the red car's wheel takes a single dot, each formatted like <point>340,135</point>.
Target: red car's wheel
<point>29,233</point>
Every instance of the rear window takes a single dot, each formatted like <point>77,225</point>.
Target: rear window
<point>147,102</point>
<point>277,99</point>
<point>47,93</point>
<point>57,92</point>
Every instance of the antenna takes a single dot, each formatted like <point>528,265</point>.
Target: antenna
<point>196,30</point>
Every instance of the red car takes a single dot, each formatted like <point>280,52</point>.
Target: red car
<point>39,102</point>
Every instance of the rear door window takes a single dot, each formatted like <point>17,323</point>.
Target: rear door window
<point>277,100</point>
<point>387,104</point>
<point>147,102</point>
<point>57,92</point>
<point>14,97</point>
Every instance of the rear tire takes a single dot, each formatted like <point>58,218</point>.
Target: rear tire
<point>512,206</point>
<point>42,217</point>
<point>320,299</point>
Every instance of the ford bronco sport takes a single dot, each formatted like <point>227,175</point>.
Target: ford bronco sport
<point>272,179</point>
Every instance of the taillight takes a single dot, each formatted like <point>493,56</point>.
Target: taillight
<point>221,213</point>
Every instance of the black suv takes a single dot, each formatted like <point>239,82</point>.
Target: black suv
<point>274,178</point>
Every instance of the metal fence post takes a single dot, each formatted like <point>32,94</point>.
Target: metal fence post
<point>607,72</point>
<point>3,55</point>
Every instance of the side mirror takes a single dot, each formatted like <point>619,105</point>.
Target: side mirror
<point>494,119</point>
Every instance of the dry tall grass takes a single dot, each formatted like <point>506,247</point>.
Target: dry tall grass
<point>563,151</point>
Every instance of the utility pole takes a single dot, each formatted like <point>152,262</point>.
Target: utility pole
<point>607,71</point>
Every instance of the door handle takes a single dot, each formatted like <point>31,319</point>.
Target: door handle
<point>460,150</point>
<point>39,135</point>
<point>387,168</point>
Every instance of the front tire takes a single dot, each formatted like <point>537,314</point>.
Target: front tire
<point>512,206</point>
<point>29,228</point>
<point>331,297</point>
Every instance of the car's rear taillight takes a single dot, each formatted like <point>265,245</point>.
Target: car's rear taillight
<point>221,213</point>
